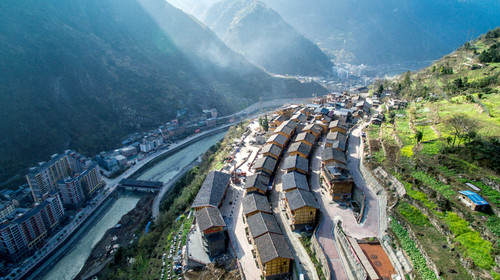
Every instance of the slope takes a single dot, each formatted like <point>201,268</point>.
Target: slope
<point>82,74</point>
<point>389,31</point>
<point>263,37</point>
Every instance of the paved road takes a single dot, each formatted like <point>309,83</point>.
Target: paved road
<point>370,224</point>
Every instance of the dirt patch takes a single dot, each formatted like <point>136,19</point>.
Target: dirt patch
<point>224,269</point>
<point>116,237</point>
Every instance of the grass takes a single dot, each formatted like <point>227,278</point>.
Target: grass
<point>492,195</point>
<point>407,151</point>
<point>475,247</point>
<point>378,156</point>
<point>439,187</point>
<point>413,215</point>
<point>431,148</point>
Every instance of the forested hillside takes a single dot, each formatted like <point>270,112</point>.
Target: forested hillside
<point>83,74</point>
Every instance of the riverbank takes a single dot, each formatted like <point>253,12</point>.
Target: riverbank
<point>116,237</point>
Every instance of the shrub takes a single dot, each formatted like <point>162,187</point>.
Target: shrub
<point>413,215</point>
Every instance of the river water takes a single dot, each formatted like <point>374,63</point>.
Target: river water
<point>69,266</point>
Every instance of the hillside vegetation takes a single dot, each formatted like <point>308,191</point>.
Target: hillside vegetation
<point>262,36</point>
<point>84,74</point>
<point>447,136</point>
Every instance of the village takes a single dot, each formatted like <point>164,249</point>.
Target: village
<point>293,176</point>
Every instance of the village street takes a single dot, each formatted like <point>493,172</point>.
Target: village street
<point>331,210</point>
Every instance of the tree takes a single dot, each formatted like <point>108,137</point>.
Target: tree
<point>461,125</point>
<point>380,89</point>
<point>419,135</point>
<point>265,124</point>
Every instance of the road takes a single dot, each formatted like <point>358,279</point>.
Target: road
<point>369,227</point>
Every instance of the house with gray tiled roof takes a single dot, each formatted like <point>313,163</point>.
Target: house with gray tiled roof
<point>301,207</point>
<point>274,256</point>
<point>299,149</point>
<point>262,223</point>
<point>277,139</point>
<point>257,183</point>
<point>254,203</point>
<point>265,164</point>
<point>294,180</point>
<point>212,191</point>
<point>212,227</point>
<point>296,163</point>
<point>306,138</point>
<point>337,139</point>
<point>329,155</point>
<point>271,150</point>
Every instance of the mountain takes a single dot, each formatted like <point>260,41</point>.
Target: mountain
<point>262,36</point>
<point>389,31</point>
<point>82,74</point>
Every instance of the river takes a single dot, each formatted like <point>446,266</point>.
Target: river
<point>69,266</point>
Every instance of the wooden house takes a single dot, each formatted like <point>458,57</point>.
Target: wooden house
<point>266,165</point>
<point>212,191</point>
<point>271,150</point>
<point>257,183</point>
<point>306,138</point>
<point>336,125</point>
<point>294,180</point>
<point>278,139</point>
<point>338,181</point>
<point>254,203</point>
<point>296,163</point>
<point>274,256</point>
<point>301,207</point>
<point>211,226</point>
<point>330,155</point>
<point>299,149</point>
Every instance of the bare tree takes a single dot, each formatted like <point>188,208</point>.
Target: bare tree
<point>462,127</point>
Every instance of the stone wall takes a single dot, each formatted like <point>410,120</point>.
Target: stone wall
<point>354,269</point>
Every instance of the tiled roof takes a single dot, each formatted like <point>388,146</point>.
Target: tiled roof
<point>331,153</point>
<point>267,163</point>
<point>258,180</point>
<point>313,127</point>
<point>272,149</point>
<point>296,162</point>
<point>209,217</point>
<point>271,246</point>
<point>278,138</point>
<point>285,128</point>
<point>212,190</point>
<point>299,198</point>
<point>255,202</point>
<point>306,136</point>
<point>300,147</point>
<point>294,180</point>
<point>262,223</point>
<point>336,123</point>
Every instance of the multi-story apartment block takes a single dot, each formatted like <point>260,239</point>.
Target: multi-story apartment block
<point>43,179</point>
<point>19,236</point>
<point>6,209</point>
<point>71,191</point>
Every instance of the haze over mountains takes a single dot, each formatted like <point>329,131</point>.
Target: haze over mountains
<point>262,36</point>
<point>382,31</point>
<point>83,74</point>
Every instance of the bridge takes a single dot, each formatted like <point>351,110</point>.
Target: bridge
<point>140,185</point>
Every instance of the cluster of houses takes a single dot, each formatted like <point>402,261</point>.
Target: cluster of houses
<point>138,145</point>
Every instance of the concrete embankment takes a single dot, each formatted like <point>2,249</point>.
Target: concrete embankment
<point>37,272</point>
